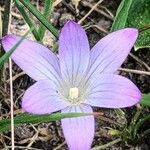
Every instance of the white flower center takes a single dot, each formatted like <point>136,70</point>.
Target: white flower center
<point>73,93</point>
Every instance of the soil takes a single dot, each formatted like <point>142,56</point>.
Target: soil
<point>48,136</point>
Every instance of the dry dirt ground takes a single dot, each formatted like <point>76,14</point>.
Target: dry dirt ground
<point>48,136</point>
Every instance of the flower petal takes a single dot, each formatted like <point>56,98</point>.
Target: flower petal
<point>110,52</point>
<point>78,132</point>
<point>35,59</point>
<point>42,98</point>
<point>112,91</point>
<point>73,51</point>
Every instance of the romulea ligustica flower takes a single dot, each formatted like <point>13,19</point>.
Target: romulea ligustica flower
<point>77,79</point>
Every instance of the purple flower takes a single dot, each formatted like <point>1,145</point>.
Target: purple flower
<point>77,79</point>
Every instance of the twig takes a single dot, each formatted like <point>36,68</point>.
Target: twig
<point>16,112</point>
<point>59,146</point>
<point>140,61</point>
<point>11,101</point>
<point>32,140</point>
<point>5,28</point>
<point>107,145</point>
<point>80,21</point>
<point>16,76</point>
<point>69,7</point>
<point>21,147</point>
<point>13,14</point>
<point>108,120</point>
<point>108,11</point>
<point>135,71</point>
<point>86,4</point>
<point>98,27</point>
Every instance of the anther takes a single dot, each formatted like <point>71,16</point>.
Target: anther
<point>74,93</point>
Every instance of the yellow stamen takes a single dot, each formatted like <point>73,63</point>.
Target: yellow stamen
<point>74,93</point>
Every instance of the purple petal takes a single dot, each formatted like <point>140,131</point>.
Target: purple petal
<point>110,52</point>
<point>78,132</point>
<point>42,98</point>
<point>73,51</point>
<point>112,91</point>
<point>35,59</point>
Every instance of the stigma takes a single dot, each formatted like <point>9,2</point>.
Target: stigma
<point>73,93</point>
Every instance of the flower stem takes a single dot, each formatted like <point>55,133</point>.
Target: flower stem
<point>107,145</point>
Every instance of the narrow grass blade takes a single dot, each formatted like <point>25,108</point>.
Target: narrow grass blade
<point>6,56</point>
<point>46,14</point>
<point>40,17</point>
<point>27,118</point>
<point>140,124</point>
<point>121,15</point>
<point>27,19</point>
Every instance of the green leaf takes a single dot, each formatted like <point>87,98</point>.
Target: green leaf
<point>28,118</point>
<point>145,100</point>
<point>134,13</point>
<point>140,124</point>
<point>139,17</point>
<point>27,19</point>
<point>40,17</point>
<point>6,56</point>
<point>46,14</point>
<point>121,15</point>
